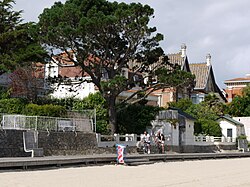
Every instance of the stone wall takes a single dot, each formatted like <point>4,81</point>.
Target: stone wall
<point>70,143</point>
<point>67,143</point>
<point>11,143</point>
<point>54,143</point>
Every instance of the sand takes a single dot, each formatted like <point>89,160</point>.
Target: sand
<point>215,173</point>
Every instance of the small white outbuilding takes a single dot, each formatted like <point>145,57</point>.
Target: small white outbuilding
<point>231,128</point>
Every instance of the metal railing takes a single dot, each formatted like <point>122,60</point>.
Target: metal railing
<point>43,123</point>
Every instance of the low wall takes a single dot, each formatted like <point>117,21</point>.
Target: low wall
<point>206,148</point>
<point>66,143</point>
<point>11,143</point>
<point>54,143</point>
<point>69,143</point>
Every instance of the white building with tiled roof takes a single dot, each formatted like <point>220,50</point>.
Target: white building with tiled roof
<point>204,81</point>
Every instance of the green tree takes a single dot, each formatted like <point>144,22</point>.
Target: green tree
<point>135,118</point>
<point>97,102</point>
<point>207,127</point>
<point>110,40</point>
<point>182,104</point>
<point>240,105</point>
<point>206,113</point>
<point>17,45</point>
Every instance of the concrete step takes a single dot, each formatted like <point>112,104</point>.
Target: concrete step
<point>130,160</point>
<point>139,163</point>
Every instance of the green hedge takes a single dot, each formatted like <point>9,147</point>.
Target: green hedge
<point>12,106</point>
<point>44,110</point>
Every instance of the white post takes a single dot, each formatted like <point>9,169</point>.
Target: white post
<point>126,137</point>
<point>36,123</point>
<point>15,122</point>
<point>201,138</point>
<point>98,137</point>
<point>95,119</point>
<point>117,138</point>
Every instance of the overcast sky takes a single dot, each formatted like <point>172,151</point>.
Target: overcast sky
<point>221,28</point>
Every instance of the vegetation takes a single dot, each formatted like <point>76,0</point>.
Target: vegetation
<point>240,105</point>
<point>44,110</point>
<point>106,39</point>
<point>135,118</point>
<point>95,101</point>
<point>17,44</point>
<point>12,106</point>
<point>206,113</point>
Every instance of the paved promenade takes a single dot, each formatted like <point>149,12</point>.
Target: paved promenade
<point>26,162</point>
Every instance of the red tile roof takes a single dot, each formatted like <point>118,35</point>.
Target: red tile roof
<point>244,79</point>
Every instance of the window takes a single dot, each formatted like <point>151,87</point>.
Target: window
<point>230,133</point>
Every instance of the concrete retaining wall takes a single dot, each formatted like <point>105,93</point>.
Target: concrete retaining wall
<point>69,143</point>
<point>54,143</point>
<point>206,148</point>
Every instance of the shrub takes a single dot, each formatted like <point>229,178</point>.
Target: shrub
<point>135,118</point>
<point>12,106</point>
<point>44,110</point>
<point>207,127</point>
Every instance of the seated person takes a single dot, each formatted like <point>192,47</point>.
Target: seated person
<point>145,139</point>
<point>160,140</point>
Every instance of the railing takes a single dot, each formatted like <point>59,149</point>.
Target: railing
<point>213,140</point>
<point>22,122</point>
<point>127,139</point>
<point>111,140</point>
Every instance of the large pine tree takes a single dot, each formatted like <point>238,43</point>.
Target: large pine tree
<point>17,45</point>
<point>108,40</point>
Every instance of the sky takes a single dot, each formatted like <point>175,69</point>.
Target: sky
<point>221,28</point>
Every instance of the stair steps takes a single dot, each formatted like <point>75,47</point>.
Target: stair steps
<point>138,161</point>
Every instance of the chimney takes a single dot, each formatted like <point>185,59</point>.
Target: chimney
<point>183,50</point>
<point>208,59</point>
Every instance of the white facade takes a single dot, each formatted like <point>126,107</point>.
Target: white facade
<point>170,132</point>
<point>246,122</point>
<point>227,127</point>
<point>70,87</point>
<point>51,70</point>
<point>188,134</point>
<point>74,89</point>
<point>175,133</point>
<point>230,129</point>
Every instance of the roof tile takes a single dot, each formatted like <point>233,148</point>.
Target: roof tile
<point>201,72</point>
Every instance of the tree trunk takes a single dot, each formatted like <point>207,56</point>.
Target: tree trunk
<point>112,114</point>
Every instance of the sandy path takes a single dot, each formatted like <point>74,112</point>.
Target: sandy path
<point>227,172</point>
